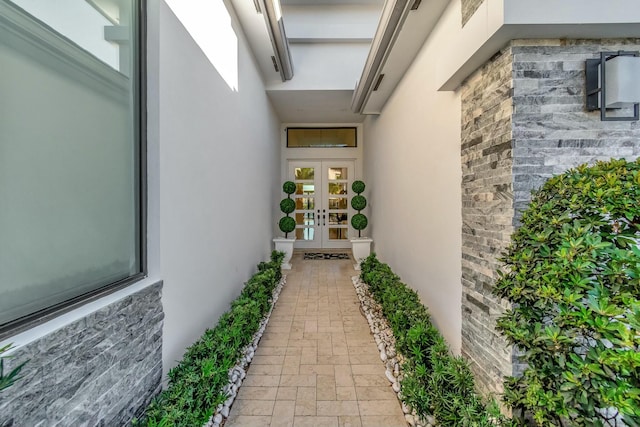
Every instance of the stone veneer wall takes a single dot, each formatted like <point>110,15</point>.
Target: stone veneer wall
<point>469,7</point>
<point>552,131</point>
<point>523,121</point>
<point>100,370</point>
<point>487,213</point>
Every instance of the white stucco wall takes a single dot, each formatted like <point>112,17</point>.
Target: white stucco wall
<point>413,175</point>
<point>218,179</point>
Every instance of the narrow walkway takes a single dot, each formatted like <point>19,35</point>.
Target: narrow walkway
<point>317,363</point>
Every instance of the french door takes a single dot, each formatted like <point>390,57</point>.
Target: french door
<point>323,212</point>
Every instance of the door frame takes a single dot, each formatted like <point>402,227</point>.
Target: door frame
<point>321,201</point>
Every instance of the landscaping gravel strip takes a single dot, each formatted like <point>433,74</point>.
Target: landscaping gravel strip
<point>238,373</point>
<point>385,340</point>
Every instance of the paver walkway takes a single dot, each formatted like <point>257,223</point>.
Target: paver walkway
<point>317,363</point>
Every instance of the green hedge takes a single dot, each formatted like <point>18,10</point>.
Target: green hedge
<point>196,385</point>
<point>435,383</point>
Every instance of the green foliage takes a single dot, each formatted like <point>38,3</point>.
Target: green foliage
<point>359,221</point>
<point>358,202</point>
<point>14,375</point>
<point>435,383</point>
<point>287,224</point>
<point>196,385</point>
<point>572,274</point>
<point>287,206</point>
<point>358,187</point>
<point>289,187</point>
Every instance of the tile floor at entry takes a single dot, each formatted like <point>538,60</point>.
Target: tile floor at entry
<point>317,363</point>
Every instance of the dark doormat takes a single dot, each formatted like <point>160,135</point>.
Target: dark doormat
<point>318,255</point>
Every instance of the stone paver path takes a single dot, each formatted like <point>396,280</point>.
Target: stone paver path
<point>317,363</point>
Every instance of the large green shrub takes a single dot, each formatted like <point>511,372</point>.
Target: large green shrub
<point>572,273</point>
<point>435,383</point>
<point>196,385</point>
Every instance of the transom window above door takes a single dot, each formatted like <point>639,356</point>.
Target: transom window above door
<point>343,137</point>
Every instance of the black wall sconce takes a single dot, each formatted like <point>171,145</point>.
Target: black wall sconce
<point>613,82</point>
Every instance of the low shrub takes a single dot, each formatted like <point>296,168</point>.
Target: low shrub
<point>196,384</point>
<point>435,383</point>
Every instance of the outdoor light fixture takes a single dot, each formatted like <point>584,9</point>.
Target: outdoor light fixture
<point>272,13</point>
<point>613,82</point>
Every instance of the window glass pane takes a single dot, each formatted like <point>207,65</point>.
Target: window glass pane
<point>69,151</point>
<point>337,203</point>
<point>335,188</point>
<point>305,218</point>
<point>304,233</point>
<point>304,203</point>
<point>321,137</point>
<point>305,189</point>
<point>305,173</point>
<point>338,233</point>
<point>338,218</point>
<point>337,173</point>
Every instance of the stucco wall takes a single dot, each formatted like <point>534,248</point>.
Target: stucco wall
<point>219,181</point>
<point>412,172</point>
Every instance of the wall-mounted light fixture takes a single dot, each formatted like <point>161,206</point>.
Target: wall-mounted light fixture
<point>613,82</point>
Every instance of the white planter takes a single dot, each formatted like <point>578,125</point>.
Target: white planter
<point>286,246</point>
<point>361,248</point>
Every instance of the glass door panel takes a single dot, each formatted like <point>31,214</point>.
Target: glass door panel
<point>307,177</point>
<point>337,177</point>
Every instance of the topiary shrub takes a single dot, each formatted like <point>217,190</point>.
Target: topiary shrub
<point>358,221</point>
<point>287,206</point>
<point>572,275</point>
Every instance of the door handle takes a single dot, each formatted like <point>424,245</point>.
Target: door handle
<point>323,220</point>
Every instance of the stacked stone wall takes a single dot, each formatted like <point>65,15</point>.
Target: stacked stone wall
<point>552,130</point>
<point>469,7</point>
<point>100,370</point>
<point>487,213</point>
<point>523,121</point>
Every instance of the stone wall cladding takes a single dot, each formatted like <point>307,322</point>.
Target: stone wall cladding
<point>469,7</point>
<point>487,214</point>
<point>100,370</point>
<point>552,131</point>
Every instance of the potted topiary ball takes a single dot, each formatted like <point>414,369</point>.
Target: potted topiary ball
<point>287,225</point>
<point>360,246</point>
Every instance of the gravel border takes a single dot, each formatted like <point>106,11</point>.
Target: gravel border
<point>386,342</point>
<point>238,373</point>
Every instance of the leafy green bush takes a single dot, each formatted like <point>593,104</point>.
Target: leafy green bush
<point>196,385</point>
<point>435,383</point>
<point>358,221</point>
<point>572,273</point>
<point>287,206</point>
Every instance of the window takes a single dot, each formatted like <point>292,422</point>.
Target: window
<point>71,153</point>
<point>321,137</point>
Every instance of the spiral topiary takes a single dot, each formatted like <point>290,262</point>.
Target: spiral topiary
<point>572,276</point>
<point>358,221</point>
<point>287,206</point>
